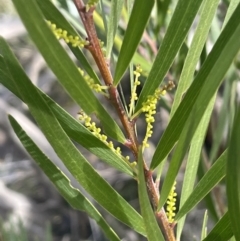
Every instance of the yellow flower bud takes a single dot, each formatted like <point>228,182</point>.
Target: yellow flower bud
<point>171,204</point>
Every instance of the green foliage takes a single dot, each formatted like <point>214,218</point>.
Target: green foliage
<point>222,230</point>
<point>152,229</point>
<point>80,168</point>
<point>150,38</point>
<point>136,25</point>
<point>232,176</point>
<point>73,196</point>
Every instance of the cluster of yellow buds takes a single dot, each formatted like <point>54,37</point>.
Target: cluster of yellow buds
<point>97,132</point>
<point>134,96</point>
<point>75,41</point>
<point>149,108</point>
<point>96,87</point>
<point>171,204</point>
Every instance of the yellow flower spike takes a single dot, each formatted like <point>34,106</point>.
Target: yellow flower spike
<point>96,87</point>
<point>171,204</point>
<point>134,96</point>
<point>75,41</point>
<point>149,108</point>
<point>91,126</point>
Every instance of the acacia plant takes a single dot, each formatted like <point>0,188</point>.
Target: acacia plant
<point>151,42</point>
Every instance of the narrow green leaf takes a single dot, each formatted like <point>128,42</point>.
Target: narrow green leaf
<point>63,67</point>
<point>73,20</point>
<point>72,195</point>
<point>137,58</point>
<point>214,175</point>
<point>208,199</point>
<point>116,8</point>
<point>129,6</point>
<point>79,167</point>
<point>232,106</point>
<point>222,118</point>
<point>71,126</point>
<point>180,151</point>
<point>215,29</point>
<point>233,177</point>
<point>103,14</point>
<point>63,4</point>
<point>152,229</point>
<point>181,21</point>
<point>203,88</point>
<point>204,226</point>
<point>207,13</point>
<point>222,230</point>
<point>136,25</point>
<point>231,76</point>
<point>162,8</point>
<point>52,14</point>
<point>193,162</point>
<point>231,8</point>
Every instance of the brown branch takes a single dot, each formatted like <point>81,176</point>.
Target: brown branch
<point>161,217</point>
<point>132,142</point>
<point>166,228</point>
<point>95,49</point>
<point>94,46</point>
